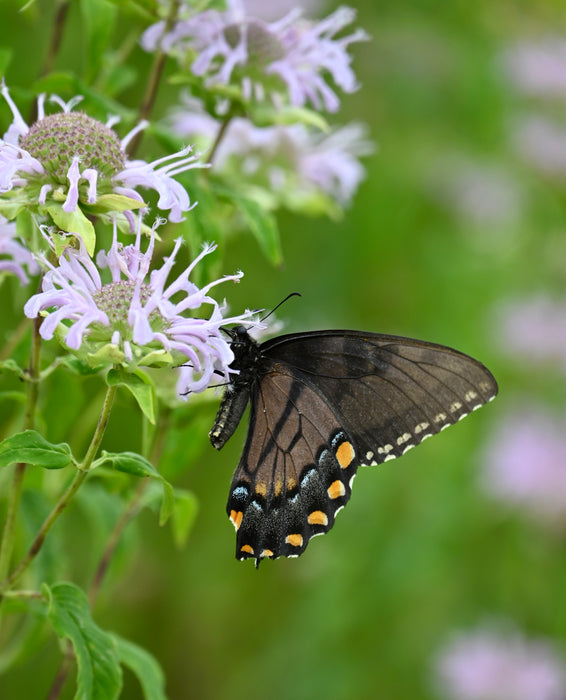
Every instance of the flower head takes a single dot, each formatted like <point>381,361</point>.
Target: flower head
<point>69,160</point>
<point>523,464</point>
<point>533,330</point>
<point>137,317</point>
<point>496,664</point>
<point>538,68</point>
<point>15,258</point>
<point>292,163</point>
<point>290,56</point>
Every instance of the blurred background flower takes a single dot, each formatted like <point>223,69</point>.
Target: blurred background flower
<point>496,662</point>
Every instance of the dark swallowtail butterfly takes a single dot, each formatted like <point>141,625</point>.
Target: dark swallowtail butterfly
<point>322,404</point>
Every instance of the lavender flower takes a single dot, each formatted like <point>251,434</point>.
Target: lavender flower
<point>292,164</point>
<point>533,330</point>
<point>542,143</point>
<point>70,160</point>
<point>492,664</point>
<point>538,68</point>
<point>15,258</point>
<point>137,318</point>
<point>523,464</point>
<point>291,56</point>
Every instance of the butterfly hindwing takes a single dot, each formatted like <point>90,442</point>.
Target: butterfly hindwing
<point>322,403</point>
<point>295,470</point>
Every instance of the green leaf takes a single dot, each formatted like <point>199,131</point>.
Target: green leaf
<point>144,666</point>
<point>267,116</point>
<point>136,465</point>
<point>32,448</point>
<point>184,515</point>
<point>99,676</point>
<point>11,365</point>
<point>5,59</point>
<point>73,222</point>
<point>141,387</point>
<point>262,224</point>
<point>99,19</point>
<point>116,202</point>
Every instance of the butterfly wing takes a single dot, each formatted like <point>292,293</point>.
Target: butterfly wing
<point>328,402</point>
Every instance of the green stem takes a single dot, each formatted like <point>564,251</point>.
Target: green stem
<point>70,491</point>
<point>154,79</point>
<point>9,533</point>
<point>219,137</point>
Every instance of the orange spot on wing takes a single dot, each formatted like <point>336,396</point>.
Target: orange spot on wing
<point>345,454</point>
<point>266,553</point>
<point>261,488</point>
<point>236,518</point>
<point>317,517</point>
<point>336,489</point>
<point>294,540</point>
<point>247,549</point>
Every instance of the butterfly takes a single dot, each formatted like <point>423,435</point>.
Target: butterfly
<point>323,403</point>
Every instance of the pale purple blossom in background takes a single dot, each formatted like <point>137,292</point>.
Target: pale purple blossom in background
<point>542,143</point>
<point>138,310</point>
<point>492,663</point>
<point>293,160</point>
<point>483,194</point>
<point>524,464</point>
<point>15,258</point>
<point>538,68</point>
<point>234,47</point>
<point>19,169</point>
<point>533,330</point>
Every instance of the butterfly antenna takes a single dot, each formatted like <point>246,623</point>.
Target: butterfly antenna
<point>293,294</point>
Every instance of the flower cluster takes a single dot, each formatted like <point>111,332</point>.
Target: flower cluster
<point>492,663</point>
<point>291,164</point>
<point>137,317</point>
<point>68,160</point>
<point>286,59</point>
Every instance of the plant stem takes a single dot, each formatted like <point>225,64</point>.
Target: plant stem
<point>56,36</point>
<point>154,79</point>
<point>62,503</point>
<point>9,533</point>
<point>131,509</point>
<point>219,136</point>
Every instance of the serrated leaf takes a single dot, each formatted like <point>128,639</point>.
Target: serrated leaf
<point>141,387</point>
<point>73,222</point>
<point>136,465</point>
<point>30,447</point>
<point>144,666</point>
<point>184,515</point>
<point>99,676</point>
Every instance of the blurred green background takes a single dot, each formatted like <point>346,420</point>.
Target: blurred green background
<point>420,550</point>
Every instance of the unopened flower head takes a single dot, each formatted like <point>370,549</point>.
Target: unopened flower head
<point>496,662</point>
<point>294,165</point>
<point>137,317</point>
<point>288,60</point>
<point>68,161</point>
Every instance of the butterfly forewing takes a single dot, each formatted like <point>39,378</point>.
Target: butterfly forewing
<point>324,402</point>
